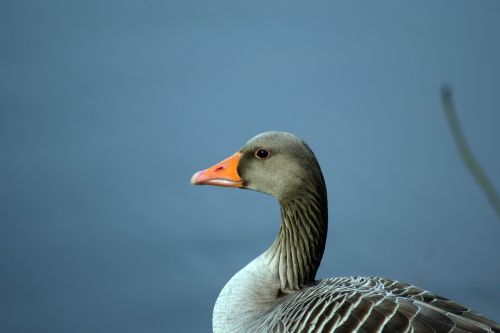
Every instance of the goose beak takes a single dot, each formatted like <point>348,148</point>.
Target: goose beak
<point>224,174</point>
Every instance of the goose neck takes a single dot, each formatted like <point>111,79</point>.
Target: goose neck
<point>301,240</point>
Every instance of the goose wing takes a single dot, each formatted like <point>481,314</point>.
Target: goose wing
<point>360,304</point>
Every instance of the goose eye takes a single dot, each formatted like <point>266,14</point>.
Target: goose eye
<point>262,153</point>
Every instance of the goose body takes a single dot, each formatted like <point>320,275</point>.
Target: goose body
<point>277,291</point>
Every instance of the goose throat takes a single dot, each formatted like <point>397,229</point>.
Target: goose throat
<point>301,240</point>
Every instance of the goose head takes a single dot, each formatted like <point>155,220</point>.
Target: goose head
<point>276,163</point>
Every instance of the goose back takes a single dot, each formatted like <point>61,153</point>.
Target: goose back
<point>371,304</point>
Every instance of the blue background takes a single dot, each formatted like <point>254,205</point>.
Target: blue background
<point>108,107</point>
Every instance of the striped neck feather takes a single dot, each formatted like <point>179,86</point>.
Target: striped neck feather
<point>301,240</point>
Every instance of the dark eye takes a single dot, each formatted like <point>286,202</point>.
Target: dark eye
<point>262,153</point>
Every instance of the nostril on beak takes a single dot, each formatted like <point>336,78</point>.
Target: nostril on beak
<point>219,169</point>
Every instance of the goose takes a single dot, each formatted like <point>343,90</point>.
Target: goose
<point>277,291</point>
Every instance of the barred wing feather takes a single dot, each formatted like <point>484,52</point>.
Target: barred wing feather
<point>373,304</point>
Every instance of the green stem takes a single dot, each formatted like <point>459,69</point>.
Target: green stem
<point>474,168</point>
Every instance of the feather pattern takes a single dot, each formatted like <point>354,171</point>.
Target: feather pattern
<point>371,304</point>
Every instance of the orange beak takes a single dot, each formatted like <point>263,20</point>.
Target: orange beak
<point>224,173</point>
